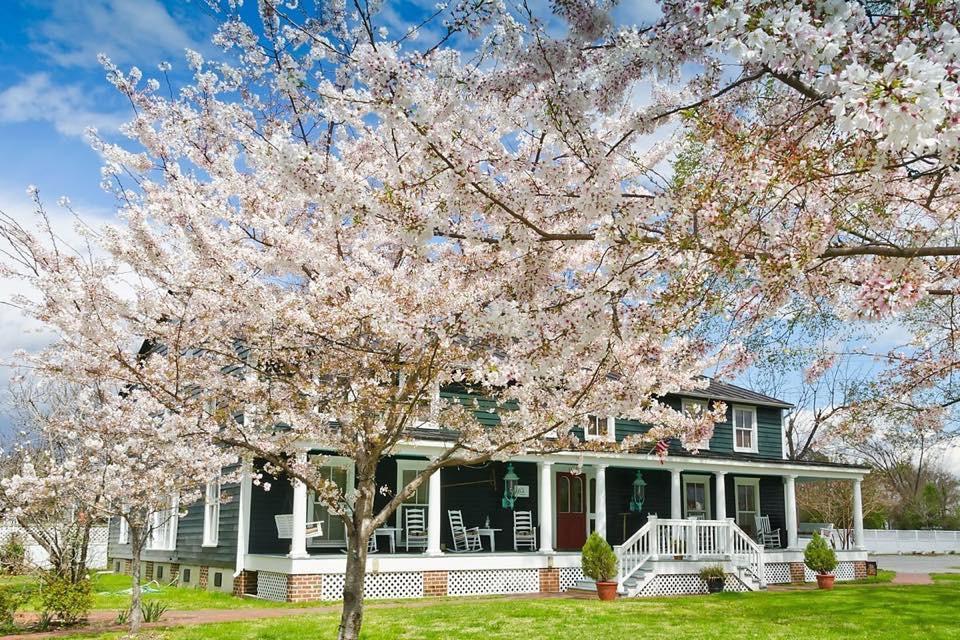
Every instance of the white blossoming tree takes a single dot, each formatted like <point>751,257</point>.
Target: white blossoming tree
<point>328,223</point>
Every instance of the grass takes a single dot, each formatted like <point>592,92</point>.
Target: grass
<point>883,577</point>
<point>856,612</point>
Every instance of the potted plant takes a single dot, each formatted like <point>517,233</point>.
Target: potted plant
<point>822,560</point>
<point>715,577</point>
<point>600,563</point>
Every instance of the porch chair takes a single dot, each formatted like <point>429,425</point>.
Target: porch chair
<point>524,533</point>
<point>415,528</point>
<point>769,538</point>
<point>464,539</point>
<point>285,527</point>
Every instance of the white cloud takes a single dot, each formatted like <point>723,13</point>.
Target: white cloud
<point>126,30</point>
<point>67,106</point>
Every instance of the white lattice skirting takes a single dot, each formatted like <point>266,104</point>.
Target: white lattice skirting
<point>570,576</point>
<point>685,584</point>
<point>376,585</point>
<point>777,573</point>
<point>843,572</point>
<point>494,581</point>
<point>272,586</point>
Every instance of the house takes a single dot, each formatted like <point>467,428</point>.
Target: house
<point>665,518</point>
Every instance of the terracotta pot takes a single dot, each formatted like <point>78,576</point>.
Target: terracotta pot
<point>825,580</point>
<point>715,585</point>
<point>607,590</point>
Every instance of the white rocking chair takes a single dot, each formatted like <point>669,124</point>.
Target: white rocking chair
<point>416,528</point>
<point>769,538</point>
<point>524,533</point>
<point>464,539</point>
<point>285,527</point>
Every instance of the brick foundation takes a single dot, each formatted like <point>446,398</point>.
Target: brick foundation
<point>245,583</point>
<point>797,572</point>
<point>147,571</point>
<point>434,583</point>
<point>204,577</point>
<point>859,569</point>
<point>303,587</point>
<point>550,580</point>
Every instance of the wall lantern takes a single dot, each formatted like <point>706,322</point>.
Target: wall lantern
<point>509,487</point>
<point>639,493</point>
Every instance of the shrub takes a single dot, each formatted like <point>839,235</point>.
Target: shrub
<point>13,555</point>
<point>150,611</point>
<point>11,599</point>
<point>67,601</point>
<point>713,572</point>
<point>819,555</point>
<point>598,560</point>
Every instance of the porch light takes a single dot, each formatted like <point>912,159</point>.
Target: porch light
<point>639,493</point>
<point>509,487</point>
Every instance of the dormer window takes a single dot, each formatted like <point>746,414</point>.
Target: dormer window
<point>599,428</point>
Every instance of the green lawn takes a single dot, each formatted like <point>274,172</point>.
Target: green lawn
<point>854,612</point>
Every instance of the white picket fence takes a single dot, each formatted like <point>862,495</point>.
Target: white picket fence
<point>911,541</point>
<point>37,556</point>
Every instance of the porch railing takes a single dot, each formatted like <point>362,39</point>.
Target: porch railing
<point>688,540</point>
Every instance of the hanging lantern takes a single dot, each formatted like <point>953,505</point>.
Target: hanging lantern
<point>509,488</point>
<point>639,493</point>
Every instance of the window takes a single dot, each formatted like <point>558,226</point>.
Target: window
<point>116,567</point>
<point>599,428</point>
<point>159,572</point>
<point>424,413</point>
<point>218,579</point>
<point>124,535</point>
<point>744,429</point>
<point>407,470</point>
<point>211,514</point>
<point>341,472</point>
<point>163,532</point>
<point>747,492</point>
<point>696,408</point>
<point>185,576</point>
<point>696,497</point>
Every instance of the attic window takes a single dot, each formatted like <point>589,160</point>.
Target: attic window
<point>599,428</point>
<point>694,408</point>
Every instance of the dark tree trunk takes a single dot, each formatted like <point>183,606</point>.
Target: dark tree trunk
<point>351,617</point>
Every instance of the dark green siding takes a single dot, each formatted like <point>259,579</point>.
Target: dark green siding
<point>190,533</point>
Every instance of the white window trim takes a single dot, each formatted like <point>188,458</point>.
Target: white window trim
<point>746,482</point>
<point>434,406</point>
<point>330,461</point>
<point>754,431</point>
<point>211,513</point>
<point>165,523</point>
<point>705,406</point>
<point>123,536</point>
<point>697,479</point>
<point>611,434</point>
<point>409,465</point>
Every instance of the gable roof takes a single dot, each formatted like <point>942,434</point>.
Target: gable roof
<point>717,390</point>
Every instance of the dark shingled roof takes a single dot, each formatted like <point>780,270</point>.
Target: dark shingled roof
<point>717,390</point>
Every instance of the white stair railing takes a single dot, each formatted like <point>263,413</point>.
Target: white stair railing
<point>745,549</point>
<point>633,553</point>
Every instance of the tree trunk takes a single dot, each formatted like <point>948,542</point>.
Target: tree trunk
<point>351,617</point>
<point>136,613</point>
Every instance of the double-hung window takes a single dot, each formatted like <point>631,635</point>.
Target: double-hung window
<point>211,514</point>
<point>163,526</point>
<point>124,534</point>
<point>744,429</point>
<point>695,408</point>
<point>599,428</point>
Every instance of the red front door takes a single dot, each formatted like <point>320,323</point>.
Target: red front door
<point>571,512</point>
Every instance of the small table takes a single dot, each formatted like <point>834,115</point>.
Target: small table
<point>389,531</point>
<point>491,534</point>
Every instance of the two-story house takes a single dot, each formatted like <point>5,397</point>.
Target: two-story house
<point>466,531</point>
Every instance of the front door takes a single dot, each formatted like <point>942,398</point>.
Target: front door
<point>571,512</point>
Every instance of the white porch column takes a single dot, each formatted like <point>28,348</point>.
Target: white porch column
<point>243,522</point>
<point>600,506</point>
<point>545,504</point>
<point>298,539</point>
<point>675,509</point>
<point>858,515</point>
<point>720,478</point>
<point>433,514</point>
<point>790,509</point>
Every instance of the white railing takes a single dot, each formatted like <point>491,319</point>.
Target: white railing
<point>911,541</point>
<point>688,540</point>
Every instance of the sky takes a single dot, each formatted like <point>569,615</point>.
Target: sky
<point>52,89</point>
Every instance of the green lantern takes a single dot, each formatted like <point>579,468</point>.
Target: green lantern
<point>510,481</point>
<point>639,493</point>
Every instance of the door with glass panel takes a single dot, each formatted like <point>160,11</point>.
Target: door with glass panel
<point>696,497</point>
<point>747,503</point>
<point>334,532</point>
<point>406,472</point>
<point>571,512</point>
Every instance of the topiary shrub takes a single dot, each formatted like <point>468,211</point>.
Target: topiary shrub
<point>69,602</point>
<point>819,556</point>
<point>598,560</point>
